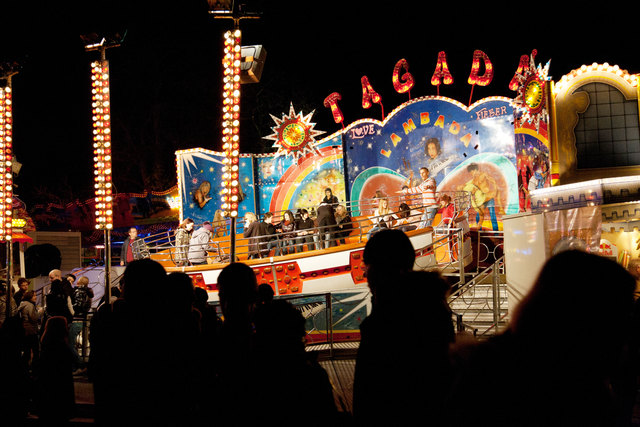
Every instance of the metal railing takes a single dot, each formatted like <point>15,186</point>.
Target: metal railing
<point>321,237</point>
<point>490,279</point>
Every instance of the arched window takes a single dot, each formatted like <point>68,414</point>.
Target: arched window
<point>608,132</point>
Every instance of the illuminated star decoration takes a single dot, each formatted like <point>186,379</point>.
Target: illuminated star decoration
<point>531,100</point>
<point>294,134</point>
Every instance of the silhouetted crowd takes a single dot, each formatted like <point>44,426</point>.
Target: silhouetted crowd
<point>37,349</point>
<point>161,355</point>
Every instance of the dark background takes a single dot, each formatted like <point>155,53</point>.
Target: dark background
<point>165,77</point>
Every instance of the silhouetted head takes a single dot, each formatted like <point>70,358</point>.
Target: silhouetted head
<point>281,329</point>
<point>143,281</point>
<point>55,330</point>
<point>181,290</point>
<point>390,249</point>
<point>200,296</point>
<point>580,302</point>
<point>237,290</point>
<point>265,293</point>
<point>56,287</point>
<point>388,253</point>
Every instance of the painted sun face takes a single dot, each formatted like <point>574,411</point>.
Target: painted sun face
<point>533,94</point>
<point>294,134</point>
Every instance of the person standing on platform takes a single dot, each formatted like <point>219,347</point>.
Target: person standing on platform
<point>288,236</point>
<point>133,248</point>
<point>329,198</point>
<point>327,222</point>
<point>183,236</point>
<point>305,230</point>
<point>251,232</point>
<point>199,244</point>
<point>343,223</point>
<point>428,191</point>
<point>269,239</point>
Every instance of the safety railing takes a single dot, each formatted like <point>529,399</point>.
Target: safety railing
<point>481,295</point>
<point>164,247</point>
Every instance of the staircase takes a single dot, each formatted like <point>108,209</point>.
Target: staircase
<point>476,307</point>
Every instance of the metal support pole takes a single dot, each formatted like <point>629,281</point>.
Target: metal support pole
<point>107,265</point>
<point>461,255</point>
<point>496,296</point>
<point>329,323</point>
<point>9,263</point>
<point>232,239</point>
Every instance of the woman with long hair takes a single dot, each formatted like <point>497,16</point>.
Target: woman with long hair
<point>30,315</point>
<point>382,217</point>
<point>343,223</point>
<point>287,228</point>
<point>183,234</point>
<point>252,233</point>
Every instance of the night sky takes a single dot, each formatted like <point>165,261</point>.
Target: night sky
<point>165,78</point>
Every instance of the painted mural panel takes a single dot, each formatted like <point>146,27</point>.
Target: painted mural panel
<point>200,174</point>
<point>285,183</point>
<point>533,160</point>
<point>464,148</point>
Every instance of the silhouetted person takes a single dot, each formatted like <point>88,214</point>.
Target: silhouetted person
<point>187,358</point>
<point>132,350</point>
<point>402,364</point>
<point>209,323</point>
<point>54,378</point>
<point>16,388</point>
<point>238,293</point>
<point>280,332</point>
<point>564,359</point>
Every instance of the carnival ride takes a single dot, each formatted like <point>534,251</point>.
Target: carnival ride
<point>329,280</point>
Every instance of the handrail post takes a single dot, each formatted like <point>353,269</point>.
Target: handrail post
<point>496,296</point>
<point>329,322</point>
<point>461,254</point>
<point>232,240</point>
<point>459,324</point>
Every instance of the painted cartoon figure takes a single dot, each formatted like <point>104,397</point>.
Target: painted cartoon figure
<point>201,195</point>
<point>485,195</point>
<point>437,162</point>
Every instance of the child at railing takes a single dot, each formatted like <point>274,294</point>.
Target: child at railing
<point>447,210</point>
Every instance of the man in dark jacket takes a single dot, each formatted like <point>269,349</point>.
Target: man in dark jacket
<point>133,248</point>
<point>305,228</point>
<point>23,286</point>
<point>326,225</point>
<point>269,239</point>
<point>82,298</point>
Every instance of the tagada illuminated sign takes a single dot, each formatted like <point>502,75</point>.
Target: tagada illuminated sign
<point>294,134</point>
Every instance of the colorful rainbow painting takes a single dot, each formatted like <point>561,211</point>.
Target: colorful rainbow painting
<point>288,189</point>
